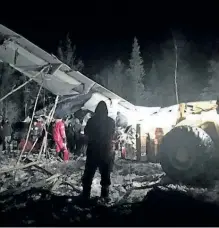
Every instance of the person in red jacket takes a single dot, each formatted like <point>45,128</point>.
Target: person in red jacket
<point>59,137</point>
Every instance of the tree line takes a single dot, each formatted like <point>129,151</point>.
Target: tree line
<point>152,84</point>
<point>146,83</point>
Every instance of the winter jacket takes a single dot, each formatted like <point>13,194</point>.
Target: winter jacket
<point>100,131</point>
<point>7,130</point>
<point>59,130</point>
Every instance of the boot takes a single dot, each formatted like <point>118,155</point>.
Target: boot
<point>86,193</point>
<point>105,194</point>
<point>83,199</point>
<point>61,154</point>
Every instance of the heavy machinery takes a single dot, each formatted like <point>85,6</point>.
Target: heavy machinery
<point>189,151</point>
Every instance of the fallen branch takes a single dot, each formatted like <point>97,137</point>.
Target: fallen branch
<point>148,177</point>
<point>41,168</point>
<point>18,167</point>
<point>38,184</point>
<point>53,176</point>
<point>56,184</point>
<point>74,188</point>
<point>163,182</point>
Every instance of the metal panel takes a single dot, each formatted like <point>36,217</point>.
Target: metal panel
<point>27,58</point>
<point>9,35</point>
<point>60,79</point>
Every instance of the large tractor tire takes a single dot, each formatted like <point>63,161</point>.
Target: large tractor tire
<point>187,154</point>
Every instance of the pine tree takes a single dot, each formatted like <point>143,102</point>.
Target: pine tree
<point>119,79</point>
<point>114,78</point>
<point>67,54</point>
<point>153,87</point>
<point>136,74</point>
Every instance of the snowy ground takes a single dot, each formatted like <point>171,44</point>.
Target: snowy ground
<point>140,194</point>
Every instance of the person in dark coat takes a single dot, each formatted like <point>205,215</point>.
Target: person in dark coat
<point>6,132</point>
<point>99,131</point>
<point>77,136</point>
<point>70,137</point>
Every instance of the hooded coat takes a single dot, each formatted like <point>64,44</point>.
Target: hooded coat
<point>7,130</point>
<point>100,131</point>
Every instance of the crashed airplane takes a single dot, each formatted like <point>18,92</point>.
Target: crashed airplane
<point>75,90</point>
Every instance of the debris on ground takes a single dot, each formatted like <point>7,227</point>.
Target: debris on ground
<point>48,193</point>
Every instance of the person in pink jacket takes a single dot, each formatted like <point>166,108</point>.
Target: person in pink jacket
<point>59,137</point>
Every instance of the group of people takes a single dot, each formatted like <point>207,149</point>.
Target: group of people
<point>75,133</point>
<point>68,135</point>
<point>96,131</point>
<point>5,133</point>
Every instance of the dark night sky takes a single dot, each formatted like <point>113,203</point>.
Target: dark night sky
<point>105,31</point>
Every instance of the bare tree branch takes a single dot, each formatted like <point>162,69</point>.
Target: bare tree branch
<point>176,69</point>
<point>50,117</point>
